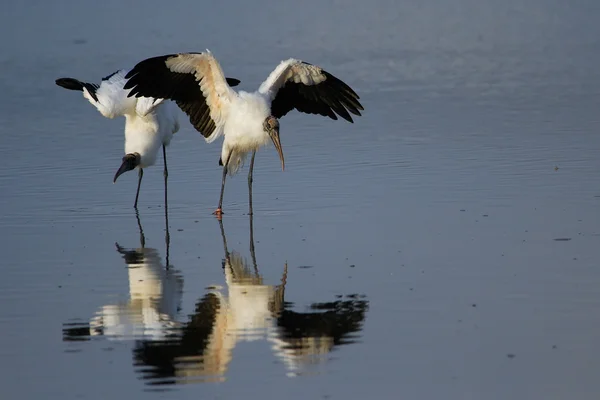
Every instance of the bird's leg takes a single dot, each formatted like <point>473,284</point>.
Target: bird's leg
<point>219,211</point>
<point>167,235</point>
<point>166,175</point>
<point>166,171</point>
<point>137,194</point>
<point>224,241</point>
<point>250,172</point>
<point>252,253</point>
<point>139,222</point>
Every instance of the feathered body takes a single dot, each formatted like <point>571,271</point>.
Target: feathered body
<point>244,128</point>
<point>149,122</point>
<point>155,296</point>
<point>146,134</point>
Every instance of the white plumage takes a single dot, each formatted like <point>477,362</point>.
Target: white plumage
<point>244,129</point>
<point>155,296</point>
<point>149,123</point>
<point>247,120</point>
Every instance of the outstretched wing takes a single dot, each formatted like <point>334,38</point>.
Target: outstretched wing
<point>309,89</point>
<point>74,84</point>
<point>194,81</point>
<point>110,97</point>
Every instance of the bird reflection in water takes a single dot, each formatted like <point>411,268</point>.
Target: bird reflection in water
<point>250,311</point>
<point>155,293</point>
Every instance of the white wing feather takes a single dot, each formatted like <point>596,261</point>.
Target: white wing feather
<point>113,101</point>
<point>212,82</point>
<point>145,105</point>
<point>290,69</point>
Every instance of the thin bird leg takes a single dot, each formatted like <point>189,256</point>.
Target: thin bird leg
<point>139,222</point>
<point>166,171</point>
<point>219,211</point>
<point>167,235</point>
<point>250,173</point>
<point>137,194</point>
<point>166,175</point>
<point>224,242</point>
<point>252,253</point>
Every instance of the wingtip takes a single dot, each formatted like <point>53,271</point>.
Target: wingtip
<point>107,77</point>
<point>69,83</point>
<point>129,75</point>
<point>356,111</point>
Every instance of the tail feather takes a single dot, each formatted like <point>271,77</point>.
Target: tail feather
<point>74,84</point>
<point>236,161</point>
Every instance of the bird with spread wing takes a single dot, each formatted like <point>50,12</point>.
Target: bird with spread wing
<point>150,122</point>
<point>195,81</point>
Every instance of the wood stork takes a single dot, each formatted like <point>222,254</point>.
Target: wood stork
<point>149,122</point>
<point>247,120</point>
<point>155,297</point>
<point>249,310</point>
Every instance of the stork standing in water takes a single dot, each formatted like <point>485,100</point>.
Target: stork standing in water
<point>247,120</point>
<point>149,122</point>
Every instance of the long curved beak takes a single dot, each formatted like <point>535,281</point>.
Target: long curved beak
<point>126,166</point>
<point>277,143</point>
<point>130,161</point>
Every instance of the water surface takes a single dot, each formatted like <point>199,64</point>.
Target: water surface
<point>443,245</point>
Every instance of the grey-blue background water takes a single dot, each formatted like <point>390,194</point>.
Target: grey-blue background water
<point>444,245</point>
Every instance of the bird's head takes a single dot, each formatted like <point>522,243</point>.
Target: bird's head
<point>130,161</point>
<point>271,126</point>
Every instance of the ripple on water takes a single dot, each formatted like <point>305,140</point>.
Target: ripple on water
<point>170,349</point>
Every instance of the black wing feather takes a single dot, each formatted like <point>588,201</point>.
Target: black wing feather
<point>329,98</point>
<point>74,84</point>
<point>107,77</point>
<point>152,78</point>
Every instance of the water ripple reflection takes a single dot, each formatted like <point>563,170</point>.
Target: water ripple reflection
<point>169,349</point>
<point>155,294</point>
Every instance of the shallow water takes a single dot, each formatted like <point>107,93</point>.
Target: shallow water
<point>443,245</point>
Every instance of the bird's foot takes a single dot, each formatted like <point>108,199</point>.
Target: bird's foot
<point>218,212</point>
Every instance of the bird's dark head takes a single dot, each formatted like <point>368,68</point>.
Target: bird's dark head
<point>130,161</point>
<point>271,126</point>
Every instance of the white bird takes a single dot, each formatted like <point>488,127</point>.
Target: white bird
<point>248,309</point>
<point>149,122</point>
<point>247,120</point>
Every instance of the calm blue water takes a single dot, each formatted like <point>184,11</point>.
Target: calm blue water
<point>443,245</point>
